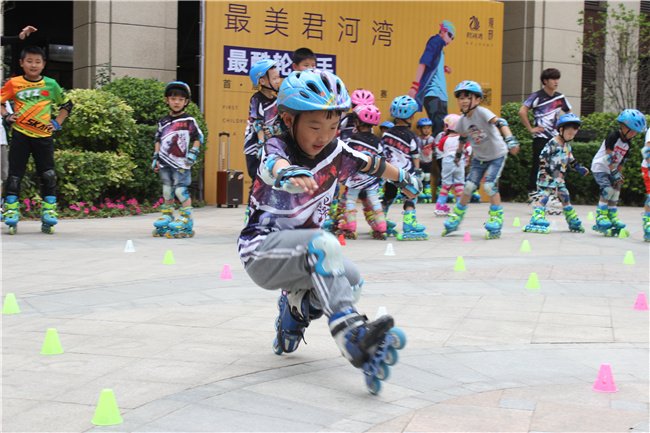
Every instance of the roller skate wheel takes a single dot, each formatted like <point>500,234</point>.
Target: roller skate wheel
<point>191,233</point>
<point>391,356</point>
<point>13,230</point>
<point>398,337</point>
<point>155,233</point>
<point>373,384</point>
<point>384,371</point>
<point>276,347</point>
<point>168,235</point>
<point>400,237</point>
<point>47,229</point>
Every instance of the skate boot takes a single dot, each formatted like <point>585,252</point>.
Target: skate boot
<point>368,213</point>
<point>554,206</point>
<point>538,222</point>
<point>413,231</point>
<point>428,195</point>
<point>183,225</point>
<point>379,225</point>
<point>618,228</point>
<point>2,209</point>
<point>11,214</point>
<point>348,224</point>
<point>454,220</point>
<point>575,225</point>
<point>476,198</point>
<point>494,224</point>
<point>603,224</point>
<point>442,210</point>
<point>646,226</point>
<point>296,312</point>
<point>162,224</point>
<point>48,215</point>
<point>370,346</point>
<point>391,229</point>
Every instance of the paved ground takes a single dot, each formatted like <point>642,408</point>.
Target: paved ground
<point>184,350</point>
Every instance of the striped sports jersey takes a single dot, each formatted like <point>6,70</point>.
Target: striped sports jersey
<point>368,142</point>
<point>619,147</point>
<point>546,110</point>
<point>400,147</point>
<point>261,109</point>
<point>33,103</point>
<point>273,210</point>
<point>176,135</point>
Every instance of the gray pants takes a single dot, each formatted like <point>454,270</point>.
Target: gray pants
<point>283,262</point>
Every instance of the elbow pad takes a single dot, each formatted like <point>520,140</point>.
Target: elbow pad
<point>501,122</point>
<point>67,106</point>
<point>377,165</point>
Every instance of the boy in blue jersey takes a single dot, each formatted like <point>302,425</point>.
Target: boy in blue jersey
<point>429,87</point>
<point>283,246</point>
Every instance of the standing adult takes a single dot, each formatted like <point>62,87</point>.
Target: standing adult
<point>546,104</point>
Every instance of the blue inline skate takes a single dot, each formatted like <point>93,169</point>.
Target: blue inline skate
<point>183,226</point>
<point>11,213</point>
<point>454,220</point>
<point>162,224</point>
<point>575,225</point>
<point>412,230</point>
<point>607,223</point>
<point>370,346</point>
<point>48,215</point>
<point>538,222</point>
<point>296,312</point>
<point>495,223</point>
<point>646,226</point>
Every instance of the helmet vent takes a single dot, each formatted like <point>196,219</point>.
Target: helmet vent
<point>313,88</point>
<point>326,83</point>
<point>304,94</point>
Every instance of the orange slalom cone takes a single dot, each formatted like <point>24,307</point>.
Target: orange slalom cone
<point>342,240</point>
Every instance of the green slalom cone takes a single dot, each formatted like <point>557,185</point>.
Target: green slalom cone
<point>533,282</point>
<point>460,264</point>
<point>52,344</point>
<point>525,246</point>
<point>169,258</point>
<point>10,305</point>
<point>516,222</point>
<point>629,258</point>
<point>107,412</point>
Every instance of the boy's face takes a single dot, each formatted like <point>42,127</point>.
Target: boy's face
<point>176,103</point>
<point>570,132</point>
<point>447,37</point>
<point>467,100</point>
<point>271,79</point>
<point>32,64</point>
<point>304,64</point>
<point>552,83</point>
<point>313,130</point>
<point>627,132</point>
<point>426,130</point>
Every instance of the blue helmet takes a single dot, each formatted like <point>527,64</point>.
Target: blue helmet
<point>425,121</point>
<point>178,85</point>
<point>387,124</point>
<point>566,119</point>
<point>469,86</point>
<point>312,90</point>
<point>259,69</point>
<point>403,107</point>
<point>633,119</point>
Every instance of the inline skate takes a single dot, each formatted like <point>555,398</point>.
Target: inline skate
<point>646,226</point>
<point>454,220</point>
<point>348,224</point>
<point>618,228</point>
<point>575,225</point>
<point>538,222</point>
<point>296,312</point>
<point>162,224</point>
<point>370,346</point>
<point>48,215</point>
<point>376,219</point>
<point>495,223</point>
<point>476,198</point>
<point>183,225</point>
<point>413,231</point>
<point>11,213</point>
<point>442,210</point>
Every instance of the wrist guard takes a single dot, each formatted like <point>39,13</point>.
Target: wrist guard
<point>645,152</point>
<point>618,177</point>
<point>56,124</point>
<point>284,174</point>
<point>408,183</point>
<point>155,159</point>
<point>192,155</point>
<point>580,169</point>
<point>511,141</point>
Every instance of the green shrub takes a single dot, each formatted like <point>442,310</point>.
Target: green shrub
<point>99,122</point>
<point>144,95</point>
<point>510,112</point>
<point>81,176</point>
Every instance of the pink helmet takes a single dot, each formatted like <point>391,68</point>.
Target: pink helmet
<point>368,114</point>
<point>451,120</point>
<point>362,97</point>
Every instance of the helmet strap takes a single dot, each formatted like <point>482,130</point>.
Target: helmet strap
<point>271,88</point>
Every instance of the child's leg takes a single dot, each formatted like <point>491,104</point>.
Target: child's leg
<point>491,187</point>
<point>349,221</point>
<point>646,215</point>
<point>607,194</point>
<point>184,225</point>
<point>379,218</point>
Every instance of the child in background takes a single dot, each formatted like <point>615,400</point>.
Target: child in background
<point>607,167</point>
<point>358,97</point>
<point>283,247</point>
<point>303,58</point>
<point>553,162</point>
<point>385,127</point>
<point>178,139</point>
<point>263,120</point>
<point>401,150</point>
<point>453,176</point>
<point>645,154</point>
<point>364,141</point>
<point>483,129</point>
<point>426,145</point>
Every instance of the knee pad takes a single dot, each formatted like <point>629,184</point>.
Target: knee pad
<point>426,177</point>
<point>608,193</point>
<point>647,200</point>
<point>470,187</point>
<point>491,188</point>
<point>13,185</point>
<point>329,257</point>
<point>48,179</point>
<point>182,193</point>
<point>356,291</point>
<point>168,192</point>
<point>614,198</point>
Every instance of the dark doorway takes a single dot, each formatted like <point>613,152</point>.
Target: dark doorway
<point>189,33</point>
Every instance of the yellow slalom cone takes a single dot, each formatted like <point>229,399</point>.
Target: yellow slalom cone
<point>628,260</point>
<point>533,282</point>
<point>590,216</point>
<point>169,258</point>
<point>52,344</point>
<point>460,264</point>
<point>107,412</point>
<point>525,246</point>
<point>516,222</point>
<point>10,305</point>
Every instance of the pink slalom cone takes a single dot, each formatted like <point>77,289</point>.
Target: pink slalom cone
<point>225,273</point>
<point>605,380</point>
<point>641,302</point>
<point>467,237</point>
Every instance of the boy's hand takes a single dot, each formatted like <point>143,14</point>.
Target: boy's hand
<point>306,183</point>
<point>10,118</point>
<point>409,184</point>
<point>53,126</point>
<point>583,171</point>
<point>447,70</point>
<point>537,129</point>
<point>514,150</point>
<point>618,177</point>
<point>192,155</point>
<point>295,180</point>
